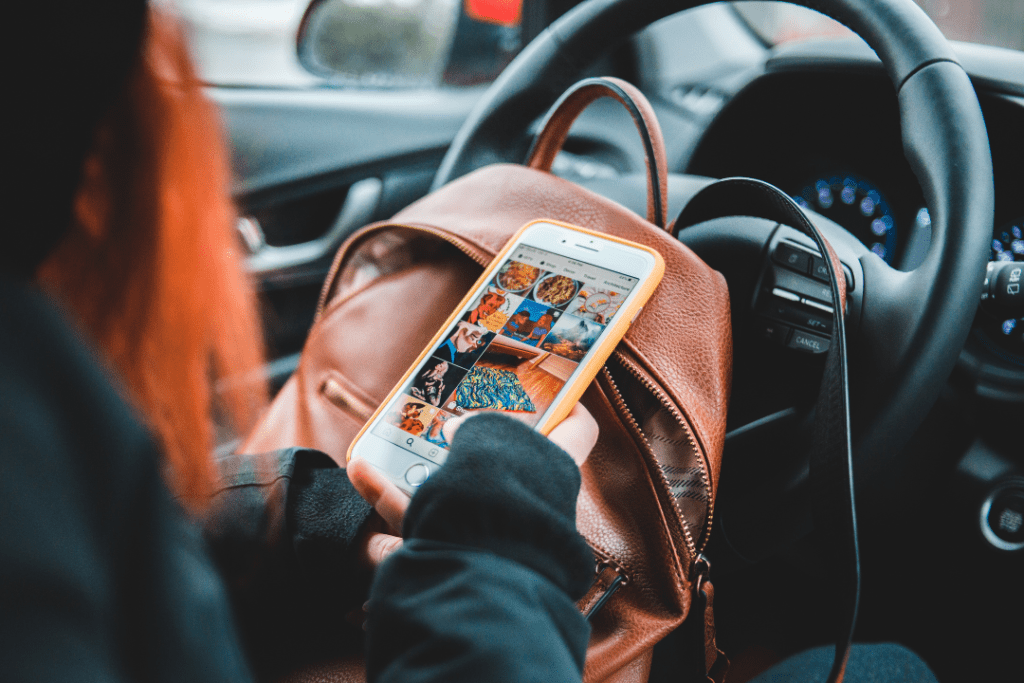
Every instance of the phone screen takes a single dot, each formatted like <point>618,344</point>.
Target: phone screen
<point>512,349</point>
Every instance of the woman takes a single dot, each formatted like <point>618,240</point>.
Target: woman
<point>542,326</point>
<point>118,210</point>
<point>429,386</point>
<point>108,391</point>
<point>519,325</point>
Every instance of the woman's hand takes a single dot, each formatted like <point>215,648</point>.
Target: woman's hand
<point>576,435</point>
<point>389,501</point>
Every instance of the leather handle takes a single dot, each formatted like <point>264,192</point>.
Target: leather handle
<point>571,104</point>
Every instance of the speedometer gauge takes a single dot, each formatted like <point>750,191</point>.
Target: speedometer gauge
<point>1002,332</point>
<point>858,206</point>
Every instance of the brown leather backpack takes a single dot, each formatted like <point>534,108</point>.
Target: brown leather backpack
<point>647,501</point>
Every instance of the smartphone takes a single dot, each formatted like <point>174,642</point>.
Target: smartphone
<point>527,340</point>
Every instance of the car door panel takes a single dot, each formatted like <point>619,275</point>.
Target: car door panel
<point>283,137</point>
<point>312,166</point>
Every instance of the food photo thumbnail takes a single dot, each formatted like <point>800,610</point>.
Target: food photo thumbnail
<point>516,277</point>
<point>597,303</point>
<point>555,290</point>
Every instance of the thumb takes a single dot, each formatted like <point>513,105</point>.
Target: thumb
<point>387,499</point>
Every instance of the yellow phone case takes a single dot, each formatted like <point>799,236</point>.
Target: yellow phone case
<point>596,358</point>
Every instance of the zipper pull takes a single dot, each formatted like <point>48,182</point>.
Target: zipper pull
<point>613,578</point>
<point>700,571</point>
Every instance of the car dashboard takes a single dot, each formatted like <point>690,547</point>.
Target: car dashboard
<point>821,123</point>
<point>820,120</point>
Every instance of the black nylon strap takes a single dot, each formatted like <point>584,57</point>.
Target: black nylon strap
<point>832,451</point>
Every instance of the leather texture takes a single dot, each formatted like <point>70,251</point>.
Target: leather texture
<point>342,670</point>
<point>715,662</point>
<point>553,133</point>
<point>667,383</point>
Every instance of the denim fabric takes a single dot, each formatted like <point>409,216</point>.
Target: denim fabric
<point>876,663</point>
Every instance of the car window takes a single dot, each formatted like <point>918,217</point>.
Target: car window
<point>372,43</point>
<point>990,22</point>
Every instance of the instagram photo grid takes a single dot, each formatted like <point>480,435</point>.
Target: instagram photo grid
<point>513,351</point>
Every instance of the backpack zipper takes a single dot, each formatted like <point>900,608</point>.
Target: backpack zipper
<point>481,255</point>
<point>618,580</point>
<point>620,404</point>
<point>666,401</point>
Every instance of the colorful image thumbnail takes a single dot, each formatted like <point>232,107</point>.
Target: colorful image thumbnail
<point>464,345</point>
<point>517,277</point>
<point>433,433</point>
<point>436,381</point>
<point>411,415</point>
<point>531,322</point>
<point>555,290</point>
<point>597,303</point>
<point>513,377</point>
<point>493,308</point>
<point>572,337</point>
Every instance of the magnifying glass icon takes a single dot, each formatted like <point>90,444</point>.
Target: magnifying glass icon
<point>408,442</point>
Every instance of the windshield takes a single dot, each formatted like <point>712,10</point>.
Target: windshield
<point>253,42</point>
<point>989,22</point>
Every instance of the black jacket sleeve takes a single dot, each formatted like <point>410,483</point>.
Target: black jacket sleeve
<point>283,530</point>
<point>485,585</point>
<point>102,578</point>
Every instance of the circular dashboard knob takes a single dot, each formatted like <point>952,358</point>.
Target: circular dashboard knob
<point>1002,516</point>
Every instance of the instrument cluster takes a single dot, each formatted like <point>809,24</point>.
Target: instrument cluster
<point>859,206</point>
<point>897,233</point>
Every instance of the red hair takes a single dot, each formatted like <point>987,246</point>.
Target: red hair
<point>151,269</point>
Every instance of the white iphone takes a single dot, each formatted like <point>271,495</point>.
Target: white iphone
<point>526,341</point>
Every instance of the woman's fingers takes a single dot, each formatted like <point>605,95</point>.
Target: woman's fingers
<point>452,425</point>
<point>387,499</point>
<point>378,547</point>
<point>576,434</point>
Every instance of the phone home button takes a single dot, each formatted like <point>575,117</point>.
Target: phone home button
<point>417,474</point>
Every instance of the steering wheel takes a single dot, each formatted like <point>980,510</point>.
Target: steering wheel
<point>912,325</point>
